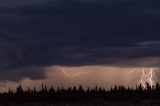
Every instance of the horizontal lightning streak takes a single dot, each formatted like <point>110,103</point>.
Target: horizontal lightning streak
<point>72,75</point>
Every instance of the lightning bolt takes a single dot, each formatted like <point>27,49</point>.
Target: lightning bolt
<point>148,76</point>
<point>72,75</point>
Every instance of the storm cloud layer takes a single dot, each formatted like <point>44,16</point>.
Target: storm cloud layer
<point>77,33</point>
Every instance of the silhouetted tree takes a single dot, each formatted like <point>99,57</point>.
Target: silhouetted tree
<point>117,93</point>
<point>19,89</point>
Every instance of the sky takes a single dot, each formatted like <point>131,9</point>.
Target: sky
<point>72,42</point>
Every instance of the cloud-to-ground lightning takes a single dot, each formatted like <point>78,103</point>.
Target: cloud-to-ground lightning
<point>73,75</point>
<point>148,75</point>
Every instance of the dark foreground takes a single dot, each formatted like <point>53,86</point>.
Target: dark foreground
<point>93,103</point>
<point>117,96</point>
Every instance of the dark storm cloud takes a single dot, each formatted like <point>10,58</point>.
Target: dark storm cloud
<point>33,73</point>
<point>78,32</point>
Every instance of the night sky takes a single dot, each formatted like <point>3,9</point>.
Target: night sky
<point>71,42</point>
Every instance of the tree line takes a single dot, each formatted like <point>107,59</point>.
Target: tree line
<point>79,94</point>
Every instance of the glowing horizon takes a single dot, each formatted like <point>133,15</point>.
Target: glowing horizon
<point>87,76</point>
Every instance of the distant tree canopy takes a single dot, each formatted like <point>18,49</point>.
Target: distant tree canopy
<point>78,94</point>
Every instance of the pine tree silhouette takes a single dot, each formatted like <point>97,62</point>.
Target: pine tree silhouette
<point>74,94</point>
